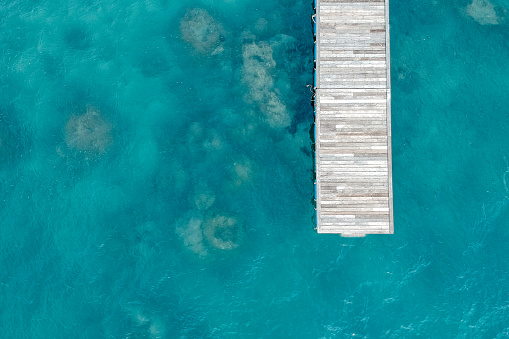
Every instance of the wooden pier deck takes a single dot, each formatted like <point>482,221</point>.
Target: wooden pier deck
<point>353,117</point>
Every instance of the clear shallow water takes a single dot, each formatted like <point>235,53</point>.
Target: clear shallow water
<point>157,177</point>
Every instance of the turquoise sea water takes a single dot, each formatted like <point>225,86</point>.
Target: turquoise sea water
<point>156,175</point>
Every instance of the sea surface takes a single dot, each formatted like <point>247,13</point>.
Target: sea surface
<point>156,175</point>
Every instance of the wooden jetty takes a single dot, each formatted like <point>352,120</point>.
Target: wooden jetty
<point>353,117</point>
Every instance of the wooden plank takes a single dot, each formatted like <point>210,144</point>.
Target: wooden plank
<point>353,118</point>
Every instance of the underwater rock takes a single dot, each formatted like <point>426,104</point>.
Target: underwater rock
<point>202,31</point>
<point>257,68</point>
<point>275,110</point>
<point>146,325</point>
<point>257,74</point>
<point>213,231</point>
<point>192,234</point>
<point>223,232</point>
<point>242,172</point>
<point>241,175</point>
<point>483,12</point>
<point>88,132</point>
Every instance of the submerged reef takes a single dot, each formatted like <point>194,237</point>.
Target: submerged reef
<point>202,233</point>
<point>144,324</point>
<point>258,76</point>
<point>241,173</point>
<point>88,132</point>
<point>222,232</point>
<point>483,12</point>
<point>190,230</point>
<point>202,31</point>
